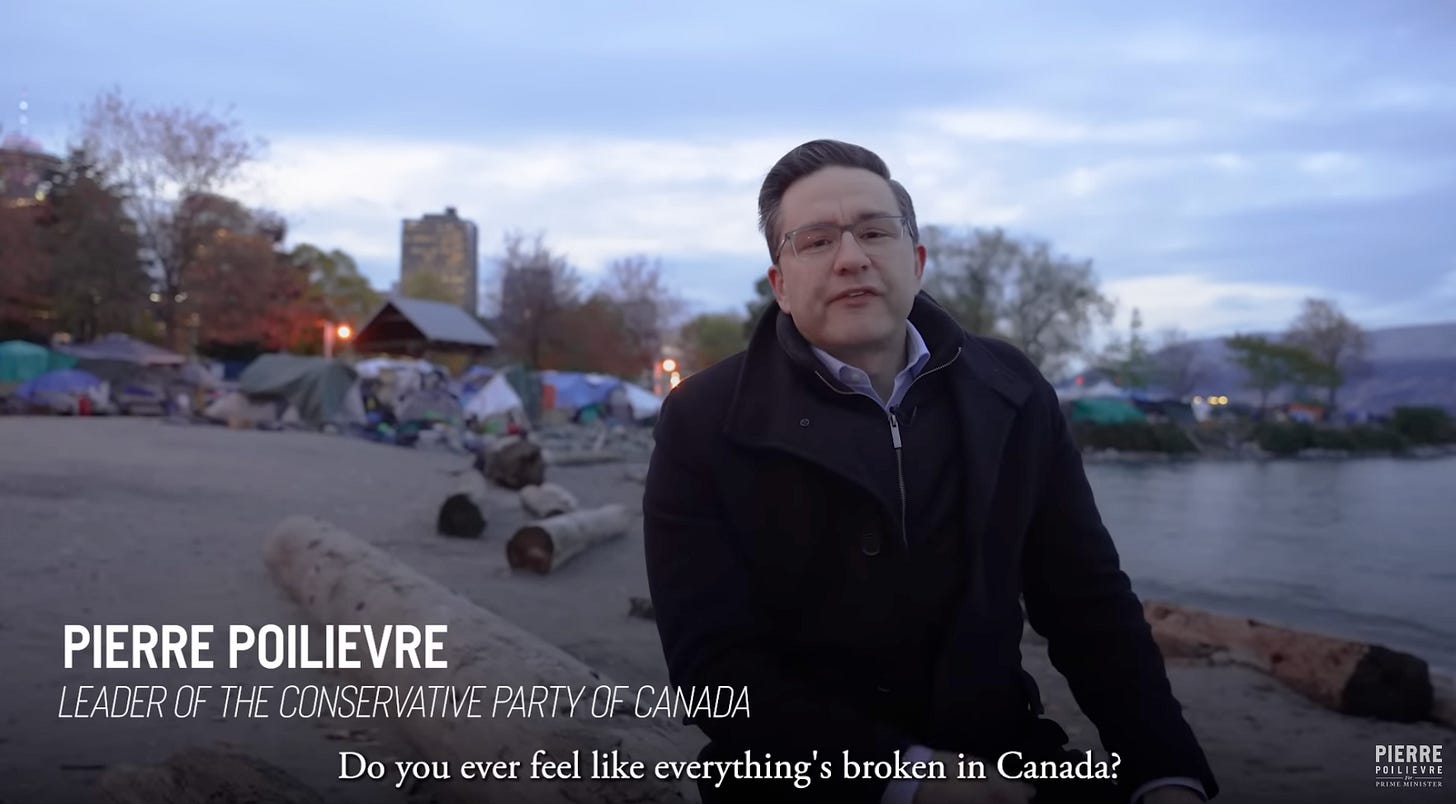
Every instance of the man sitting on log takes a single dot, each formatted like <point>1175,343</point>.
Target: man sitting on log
<point>845,518</point>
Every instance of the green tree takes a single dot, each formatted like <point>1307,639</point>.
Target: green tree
<point>710,337</point>
<point>96,282</point>
<point>335,283</point>
<point>1269,365</point>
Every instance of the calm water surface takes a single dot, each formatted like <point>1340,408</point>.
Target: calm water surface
<point>1364,549</point>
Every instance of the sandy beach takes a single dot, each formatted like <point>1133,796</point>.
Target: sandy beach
<point>137,521</point>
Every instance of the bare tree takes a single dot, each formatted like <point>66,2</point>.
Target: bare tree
<point>536,287</point>
<point>1337,343</point>
<point>162,156</point>
<point>1177,363</point>
<point>648,307</point>
<point>1016,290</point>
<point>967,272</point>
<point>1052,306</point>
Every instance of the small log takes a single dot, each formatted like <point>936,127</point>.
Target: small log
<point>203,776</point>
<point>1349,677</point>
<point>547,500</point>
<point>545,545</point>
<point>515,463</point>
<point>339,578</point>
<point>463,513</point>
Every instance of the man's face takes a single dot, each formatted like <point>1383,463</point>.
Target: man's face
<point>817,291</point>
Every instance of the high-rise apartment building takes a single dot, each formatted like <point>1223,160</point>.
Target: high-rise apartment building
<point>441,253</point>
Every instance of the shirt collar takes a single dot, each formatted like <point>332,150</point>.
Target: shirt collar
<point>917,354</point>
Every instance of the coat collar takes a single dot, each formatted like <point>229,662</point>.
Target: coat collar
<point>781,382</point>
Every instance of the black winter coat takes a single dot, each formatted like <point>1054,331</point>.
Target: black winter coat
<point>757,510</point>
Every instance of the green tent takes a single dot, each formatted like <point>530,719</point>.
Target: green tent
<point>1106,410</point>
<point>321,389</point>
<point>21,361</point>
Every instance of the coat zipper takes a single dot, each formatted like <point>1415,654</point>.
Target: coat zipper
<point>895,440</point>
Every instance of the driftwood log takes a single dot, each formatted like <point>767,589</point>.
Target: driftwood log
<point>547,500</point>
<point>547,544</point>
<point>515,462</point>
<point>1349,677</point>
<point>463,512</point>
<point>338,578</point>
<point>203,776</point>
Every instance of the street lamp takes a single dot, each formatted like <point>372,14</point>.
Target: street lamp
<point>332,332</point>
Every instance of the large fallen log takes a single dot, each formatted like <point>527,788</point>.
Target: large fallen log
<point>548,500</point>
<point>203,776</point>
<point>341,579</point>
<point>515,462</point>
<point>1346,676</point>
<point>463,512</point>
<point>544,545</point>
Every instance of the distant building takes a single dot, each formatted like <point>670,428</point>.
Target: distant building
<point>447,248</point>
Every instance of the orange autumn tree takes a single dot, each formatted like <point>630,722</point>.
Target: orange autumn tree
<point>243,289</point>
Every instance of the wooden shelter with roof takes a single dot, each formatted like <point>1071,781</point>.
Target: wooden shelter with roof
<point>424,329</point>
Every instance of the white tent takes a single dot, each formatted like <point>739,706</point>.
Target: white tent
<point>497,398</point>
<point>645,404</point>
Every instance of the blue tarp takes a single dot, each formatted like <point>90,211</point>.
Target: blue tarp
<point>577,390</point>
<point>64,381</point>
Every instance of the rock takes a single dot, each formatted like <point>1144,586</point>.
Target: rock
<point>515,463</point>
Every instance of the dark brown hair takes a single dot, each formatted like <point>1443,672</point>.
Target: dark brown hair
<point>810,158</point>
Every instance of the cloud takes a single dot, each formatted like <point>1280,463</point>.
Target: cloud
<point>1033,127</point>
<point>1204,305</point>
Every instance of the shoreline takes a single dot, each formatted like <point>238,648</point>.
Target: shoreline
<point>119,520</point>
<point>1255,455</point>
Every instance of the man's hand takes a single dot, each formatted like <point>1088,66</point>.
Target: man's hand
<point>991,790</point>
<point>1172,794</point>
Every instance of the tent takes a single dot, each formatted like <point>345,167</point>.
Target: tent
<point>321,389</point>
<point>430,405</point>
<point>497,398</point>
<point>124,349</point>
<point>645,404</point>
<point>21,361</point>
<point>62,389</point>
<point>573,390</point>
<point>1105,410</point>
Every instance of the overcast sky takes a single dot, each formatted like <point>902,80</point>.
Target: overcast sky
<point>1217,161</point>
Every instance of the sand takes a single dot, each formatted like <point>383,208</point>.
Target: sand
<point>136,521</point>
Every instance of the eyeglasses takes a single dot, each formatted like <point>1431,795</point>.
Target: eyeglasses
<point>821,241</point>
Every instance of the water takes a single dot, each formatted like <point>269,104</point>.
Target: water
<point>1363,549</point>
